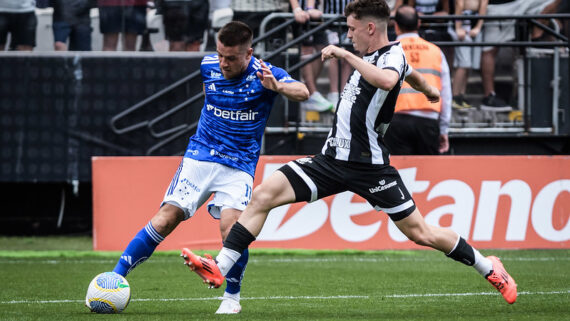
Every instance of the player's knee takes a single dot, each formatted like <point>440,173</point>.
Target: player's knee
<point>262,199</point>
<point>167,218</point>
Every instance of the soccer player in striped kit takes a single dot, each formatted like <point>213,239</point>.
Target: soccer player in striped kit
<point>354,157</point>
<point>221,157</point>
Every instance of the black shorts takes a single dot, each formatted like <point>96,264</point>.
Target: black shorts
<point>185,21</point>
<point>21,26</point>
<point>319,176</point>
<point>118,19</point>
<point>317,39</point>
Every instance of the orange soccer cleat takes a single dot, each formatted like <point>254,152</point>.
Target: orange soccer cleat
<point>206,267</point>
<point>502,281</point>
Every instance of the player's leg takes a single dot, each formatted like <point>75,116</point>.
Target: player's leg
<point>147,239</point>
<point>230,303</point>
<point>180,202</point>
<point>455,247</point>
<point>276,190</point>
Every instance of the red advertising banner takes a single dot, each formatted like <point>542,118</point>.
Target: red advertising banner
<point>492,201</point>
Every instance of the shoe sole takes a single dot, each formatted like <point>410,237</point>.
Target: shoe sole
<point>496,109</point>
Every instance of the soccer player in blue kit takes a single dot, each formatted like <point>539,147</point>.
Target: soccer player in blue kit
<point>354,157</point>
<point>221,157</point>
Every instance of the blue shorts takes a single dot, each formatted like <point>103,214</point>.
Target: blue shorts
<point>79,35</point>
<point>117,19</point>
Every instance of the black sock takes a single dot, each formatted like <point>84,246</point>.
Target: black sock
<point>463,253</point>
<point>239,238</point>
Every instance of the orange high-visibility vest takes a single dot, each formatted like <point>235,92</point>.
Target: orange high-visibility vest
<point>425,58</point>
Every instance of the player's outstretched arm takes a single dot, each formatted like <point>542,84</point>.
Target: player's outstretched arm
<point>418,82</point>
<point>384,79</point>
<point>295,91</point>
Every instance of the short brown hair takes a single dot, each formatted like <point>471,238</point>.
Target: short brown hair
<point>368,8</point>
<point>235,33</point>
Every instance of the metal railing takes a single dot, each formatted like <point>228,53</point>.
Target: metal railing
<point>287,49</point>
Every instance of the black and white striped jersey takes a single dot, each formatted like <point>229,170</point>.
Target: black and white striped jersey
<point>364,112</point>
<point>335,6</point>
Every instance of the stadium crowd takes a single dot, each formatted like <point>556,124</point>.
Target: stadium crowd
<point>188,25</point>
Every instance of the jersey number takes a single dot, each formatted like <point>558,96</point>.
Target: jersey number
<point>415,57</point>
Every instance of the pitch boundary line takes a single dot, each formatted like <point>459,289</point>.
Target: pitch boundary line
<point>277,260</point>
<point>334,297</point>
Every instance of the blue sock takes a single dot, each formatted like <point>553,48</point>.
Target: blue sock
<point>235,275</point>
<point>140,249</point>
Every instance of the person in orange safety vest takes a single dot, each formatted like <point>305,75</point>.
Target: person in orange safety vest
<point>418,126</point>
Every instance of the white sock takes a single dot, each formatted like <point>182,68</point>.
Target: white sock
<point>482,264</point>
<point>234,296</point>
<point>226,259</point>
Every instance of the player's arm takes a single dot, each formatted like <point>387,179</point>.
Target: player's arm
<point>295,91</point>
<point>384,79</point>
<point>419,83</point>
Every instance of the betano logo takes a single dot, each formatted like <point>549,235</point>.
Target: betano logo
<point>232,114</point>
<point>475,219</point>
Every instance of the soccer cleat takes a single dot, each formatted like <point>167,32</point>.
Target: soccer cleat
<point>206,268</point>
<point>229,306</point>
<point>502,281</point>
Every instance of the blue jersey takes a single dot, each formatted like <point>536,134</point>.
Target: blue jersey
<point>234,115</point>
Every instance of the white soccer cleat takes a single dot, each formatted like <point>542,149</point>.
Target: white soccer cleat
<point>229,306</point>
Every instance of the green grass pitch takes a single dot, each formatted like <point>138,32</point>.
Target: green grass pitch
<point>285,285</point>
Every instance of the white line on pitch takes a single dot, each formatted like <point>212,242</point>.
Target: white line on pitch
<point>399,296</point>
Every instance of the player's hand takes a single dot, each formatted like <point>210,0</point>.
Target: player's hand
<point>266,76</point>
<point>432,94</point>
<point>332,51</point>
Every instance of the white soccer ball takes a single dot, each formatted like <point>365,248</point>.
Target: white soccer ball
<point>108,292</point>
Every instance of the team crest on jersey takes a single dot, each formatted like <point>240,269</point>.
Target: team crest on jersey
<point>251,77</point>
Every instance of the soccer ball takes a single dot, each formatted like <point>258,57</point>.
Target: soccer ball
<point>109,292</point>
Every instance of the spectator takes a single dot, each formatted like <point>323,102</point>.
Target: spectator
<point>18,18</point>
<point>184,23</point>
<point>71,21</point>
<point>252,12</point>
<point>393,5</point>
<point>434,8</point>
<point>126,17</point>
<point>304,11</point>
<point>335,37</point>
<point>420,127</point>
<point>465,58</point>
<point>502,31</point>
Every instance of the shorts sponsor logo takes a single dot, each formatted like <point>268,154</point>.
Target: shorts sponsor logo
<point>339,142</point>
<point>383,186</point>
<point>189,184</point>
<point>305,160</point>
<point>192,152</point>
<point>244,115</point>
